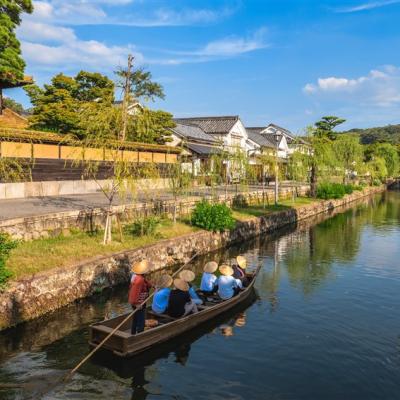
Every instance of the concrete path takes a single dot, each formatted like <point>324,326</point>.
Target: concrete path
<point>32,206</point>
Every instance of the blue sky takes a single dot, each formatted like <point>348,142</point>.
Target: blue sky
<point>283,61</point>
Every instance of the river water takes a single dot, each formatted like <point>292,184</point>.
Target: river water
<point>325,325</point>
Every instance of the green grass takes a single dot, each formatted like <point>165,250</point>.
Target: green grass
<point>43,254</point>
<point>243,214</point>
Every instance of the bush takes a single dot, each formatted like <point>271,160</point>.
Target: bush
<point>328,191</point>
<point>213,217</point>
<point>376,182</point>
<point>143,226</point>
<point>6,245</point>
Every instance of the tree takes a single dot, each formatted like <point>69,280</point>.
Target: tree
<point>11,63</point>
<point>389,153</point>
<point>151,126</point>
<point>57,107</point>
<point>13,105</point>
<point>325,127</point>
<point>349,153</point>
<point>140,84</point>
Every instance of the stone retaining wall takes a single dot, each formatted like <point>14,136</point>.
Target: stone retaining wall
<point>28,228</point>
<point>32,297</point>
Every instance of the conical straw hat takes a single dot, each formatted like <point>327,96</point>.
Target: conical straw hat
<point>181,284</point>
<point>210,267</point>
<point>226,270</point>
<point>164,281</point>
<point>242,262</point>
<point>141,267</point>
<point>187,276</point>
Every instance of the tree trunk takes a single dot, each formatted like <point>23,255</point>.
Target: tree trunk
<point>1,101</point>
<point>313,181</point>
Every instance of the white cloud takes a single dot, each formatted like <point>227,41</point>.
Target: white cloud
<point>37,31</point>
<point>367,6</point>
<point>381,87</point>
<point>91,12</point>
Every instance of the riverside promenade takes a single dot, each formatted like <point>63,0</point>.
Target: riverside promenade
<point>34,206</point>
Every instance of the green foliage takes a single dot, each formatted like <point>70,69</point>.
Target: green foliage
<point>13,105</point>
<point>11,63</point>
<point>151,126</point>
<point>212,217</point>
<point>325,127</point>
<point>58,106</point>
<point>377,169</point>
<point>328,191</point>
<point>384,134</point>
<point>349,153</point>
<point>145,226</point>
<point>389,153</point>
<point>141,84</point>
<point>6,245</point>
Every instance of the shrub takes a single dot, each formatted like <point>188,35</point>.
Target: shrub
<point>376,182</point>
<point>143,226</point>
<point>6,245</point>
<point>328,191</point>
<point>213,217</point>
<point>240,201</point>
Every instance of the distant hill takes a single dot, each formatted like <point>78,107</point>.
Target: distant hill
<point>389,133</point>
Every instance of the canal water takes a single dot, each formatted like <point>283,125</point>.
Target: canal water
<point>325,324</point>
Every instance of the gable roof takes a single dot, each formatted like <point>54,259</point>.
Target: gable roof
<point>193,132</point>
<point>289,135</point>
<point>212,125</point>
<point>264,140</point>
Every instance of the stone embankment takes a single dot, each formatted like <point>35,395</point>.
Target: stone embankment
<point>37,295</point>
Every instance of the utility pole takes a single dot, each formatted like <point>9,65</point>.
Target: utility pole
<point>125,101</point>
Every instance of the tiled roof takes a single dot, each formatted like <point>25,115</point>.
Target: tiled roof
<point>193,132</point>
<point>264,140</point>
<point>289,135</point>
<point>212,125</point>
<point>200,149</point>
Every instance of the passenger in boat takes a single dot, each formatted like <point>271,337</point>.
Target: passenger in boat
<point>161,296</point>
<point>239,270</point>
<point>209,281</point>
<point>228,286</point>
<point>138,292</point>
<point>180,303</point>
<point>188,277</point>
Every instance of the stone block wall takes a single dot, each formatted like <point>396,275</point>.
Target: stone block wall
<point>28,228</point>
<point>37,295</point>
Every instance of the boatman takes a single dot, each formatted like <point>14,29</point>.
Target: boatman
<point>138,292</point>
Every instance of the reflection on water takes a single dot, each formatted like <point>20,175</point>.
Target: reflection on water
<point>326,324</point>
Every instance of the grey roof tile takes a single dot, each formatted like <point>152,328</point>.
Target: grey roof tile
<point>192,132</point>
<point>212,125</point>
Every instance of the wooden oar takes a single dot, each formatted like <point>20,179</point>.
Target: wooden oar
<point>72,372</point>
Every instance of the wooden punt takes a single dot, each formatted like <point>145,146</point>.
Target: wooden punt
<point>123,344</point>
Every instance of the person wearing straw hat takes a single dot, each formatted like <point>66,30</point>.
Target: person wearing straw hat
<point>208,283</point>
<point>188,276</point>
<point>239,270</point>
<point>180,303</point>
<point>138,292</point>
<point>228,286</point>
<point>161,296</point>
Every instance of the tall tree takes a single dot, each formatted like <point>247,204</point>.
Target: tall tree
<point>325,128</point>
<point>349,153</point>
<point>58,106</point>
<point>140,85</point>
<point>11,63</point>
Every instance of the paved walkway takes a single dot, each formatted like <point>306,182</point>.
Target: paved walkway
<point>32,206</point>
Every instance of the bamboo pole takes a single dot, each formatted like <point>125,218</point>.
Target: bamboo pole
<point>72,372</point>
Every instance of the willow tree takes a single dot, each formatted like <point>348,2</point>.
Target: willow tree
<point>349,153</point>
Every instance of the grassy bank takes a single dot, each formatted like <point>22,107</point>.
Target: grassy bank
<point>242,214</point>
<point>43,254</point>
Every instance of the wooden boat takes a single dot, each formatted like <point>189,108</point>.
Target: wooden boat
<point>123,344</point>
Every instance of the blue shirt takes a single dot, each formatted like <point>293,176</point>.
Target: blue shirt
<point>226,286</point>
<point>194,296</point>
<point>160,300</point>
<point>208,282</point>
